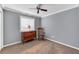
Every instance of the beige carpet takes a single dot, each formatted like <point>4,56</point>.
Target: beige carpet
<point>39,47</point>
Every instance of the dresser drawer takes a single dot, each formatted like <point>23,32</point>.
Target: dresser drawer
<point>28,35</point>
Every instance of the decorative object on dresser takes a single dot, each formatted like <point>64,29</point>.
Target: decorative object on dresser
<point>40,33</point>
<point>29,35</point>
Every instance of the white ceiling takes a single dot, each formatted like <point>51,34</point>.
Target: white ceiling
<point>52,8</point>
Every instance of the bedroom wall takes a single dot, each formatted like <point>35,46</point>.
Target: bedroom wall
<point>63,27</point>
<point>37,22</point>
<point>12,27</point>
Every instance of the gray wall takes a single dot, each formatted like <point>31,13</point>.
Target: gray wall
<point>12,26</point>
<point>37,22</point>
<point>64,26</point>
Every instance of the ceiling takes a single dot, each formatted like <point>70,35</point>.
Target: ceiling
<point>52,8</point>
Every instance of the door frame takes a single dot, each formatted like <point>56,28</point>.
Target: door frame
<point>1,28</point>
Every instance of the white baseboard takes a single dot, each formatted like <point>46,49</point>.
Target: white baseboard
<point>12,43</point>
<point>63,44</point>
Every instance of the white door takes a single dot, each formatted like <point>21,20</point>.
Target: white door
<point>1,30</point>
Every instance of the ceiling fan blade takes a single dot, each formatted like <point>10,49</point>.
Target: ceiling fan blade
<point>38,11</point>
<point>43,9</point>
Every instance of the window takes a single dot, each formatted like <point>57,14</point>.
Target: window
<point>27,23</point>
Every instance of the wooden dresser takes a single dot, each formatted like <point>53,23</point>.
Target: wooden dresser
<point>26,36</point>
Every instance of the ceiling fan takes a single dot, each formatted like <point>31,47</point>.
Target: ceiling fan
<point>38,8</point>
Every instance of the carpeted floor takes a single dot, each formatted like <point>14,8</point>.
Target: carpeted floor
<point>39,47</point>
